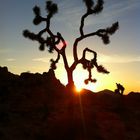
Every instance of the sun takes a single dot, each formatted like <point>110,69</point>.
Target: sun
<point>79,77</point>
<point>79,87</point>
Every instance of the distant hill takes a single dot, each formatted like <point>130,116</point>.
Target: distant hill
<point>38,107</point>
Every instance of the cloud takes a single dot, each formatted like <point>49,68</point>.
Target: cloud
<point>45,60</point>
<point>117,59</point>
<point>10,59</point>
<point>41,59</point>
<point>101,59</point>
<point>122,7</point>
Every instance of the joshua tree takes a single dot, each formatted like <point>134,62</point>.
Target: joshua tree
<point>53,40</point>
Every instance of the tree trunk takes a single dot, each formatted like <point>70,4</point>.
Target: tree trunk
<point>70,76</point>
<point>70,84</point>
<point>69,71</point>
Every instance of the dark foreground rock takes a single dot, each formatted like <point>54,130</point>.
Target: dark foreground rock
<point>38,107</point>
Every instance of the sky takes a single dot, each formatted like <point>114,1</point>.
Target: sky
<point>121,57</point>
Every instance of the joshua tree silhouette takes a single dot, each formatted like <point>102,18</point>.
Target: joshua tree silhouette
<point>53,40</point>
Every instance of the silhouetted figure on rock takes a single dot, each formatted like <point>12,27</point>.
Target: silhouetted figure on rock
<point>120,89</point>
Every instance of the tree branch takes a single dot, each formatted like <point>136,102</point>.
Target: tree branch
<point>82,23</point>
<point>65,60</point>
<point>77,40</point>
<point>89,64</point>
<point>89,50</point>
<point>103,33</point>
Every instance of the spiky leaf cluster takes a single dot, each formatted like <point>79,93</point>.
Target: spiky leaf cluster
<point>89,3</point>
<point>99,7</point>
<point>105,39</point>
<point>105,34</point>
<point>35,37</point>
<point>86,81</point>
<point>111,30</point>
<point>50,44</point>
<point>30,35</point>
<point>53,64</point>
<point>42,47</point>
<point>36,11</point>
<point>51,8</point>
<point>101,69</point>
<point>38,19</point>
<point>87,64</point>
<point>94,9</point>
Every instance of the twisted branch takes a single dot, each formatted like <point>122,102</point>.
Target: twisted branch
<point>50,41</point>
<point>103,33</point>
